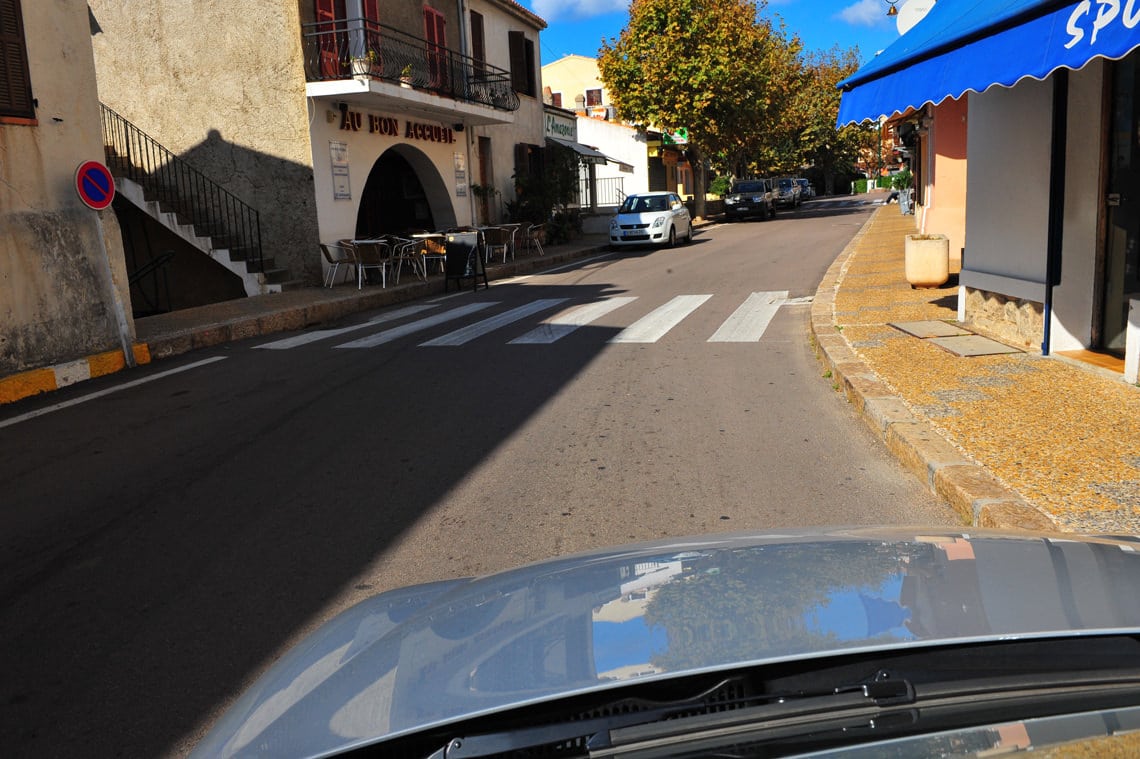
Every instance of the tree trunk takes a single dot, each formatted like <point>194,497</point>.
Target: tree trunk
<point>697,162</point>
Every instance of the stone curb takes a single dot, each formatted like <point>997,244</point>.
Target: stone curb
<point>978,498</point>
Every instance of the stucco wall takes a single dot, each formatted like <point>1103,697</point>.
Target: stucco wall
<point>572,75</point>
<point>56,282</point>
<point>945,211</point>
<point>223,86</point>
<point>622,142</point>
<point>526,125</point>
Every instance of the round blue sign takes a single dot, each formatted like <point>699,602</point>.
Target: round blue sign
<point>95,185</point>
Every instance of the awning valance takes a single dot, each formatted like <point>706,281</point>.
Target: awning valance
<point>971,45</point>
<point>585,152</point>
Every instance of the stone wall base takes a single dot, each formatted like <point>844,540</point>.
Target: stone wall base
<point>1012,320</point>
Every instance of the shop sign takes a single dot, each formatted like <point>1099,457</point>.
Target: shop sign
<point>353,121</point>
<point>563,127</point>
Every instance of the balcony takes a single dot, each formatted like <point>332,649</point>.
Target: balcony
<point>374,66</point>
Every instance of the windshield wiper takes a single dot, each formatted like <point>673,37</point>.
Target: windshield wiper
<point>666,720</point>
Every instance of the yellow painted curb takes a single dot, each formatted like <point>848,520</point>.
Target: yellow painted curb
<point>16,387</point>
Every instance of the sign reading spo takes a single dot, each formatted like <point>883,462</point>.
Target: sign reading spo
<point>1107,12</point>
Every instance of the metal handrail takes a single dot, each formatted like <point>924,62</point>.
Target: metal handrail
<point>344,48</point>
<point>213,211</point>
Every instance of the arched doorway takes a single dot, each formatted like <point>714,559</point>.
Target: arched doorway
<point>404,193</point>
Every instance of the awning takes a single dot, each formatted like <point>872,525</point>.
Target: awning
<point>585,152</point>
<point>971,45</point>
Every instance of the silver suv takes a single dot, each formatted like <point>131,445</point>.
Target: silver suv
<point>788,192</point>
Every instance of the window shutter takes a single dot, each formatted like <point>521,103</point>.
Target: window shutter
<point>478,42</point>
<point>15,85</point>
<point>518,60</point>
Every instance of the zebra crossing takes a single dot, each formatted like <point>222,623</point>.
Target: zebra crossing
<point>747,323</point>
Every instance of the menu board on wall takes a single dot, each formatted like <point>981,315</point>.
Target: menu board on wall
<point>460,175</point>
<point>342,187</point>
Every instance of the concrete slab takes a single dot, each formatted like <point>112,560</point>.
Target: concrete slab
<point>973,345</point>
<point>928,328</point>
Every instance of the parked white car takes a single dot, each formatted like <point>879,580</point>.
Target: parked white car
<point>651,218</point>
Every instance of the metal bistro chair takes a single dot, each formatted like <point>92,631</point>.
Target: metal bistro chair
<point>372,255</point>
<point>534,237</point>
<point>337,255</point>
<point>495,240</point>
<point>410,251</point>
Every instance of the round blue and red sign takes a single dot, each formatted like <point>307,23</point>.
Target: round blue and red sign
<point>95,185</point>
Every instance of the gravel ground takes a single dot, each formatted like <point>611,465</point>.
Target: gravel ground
<point>1065,438</point>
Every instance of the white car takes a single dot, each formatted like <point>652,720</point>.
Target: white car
<point>651,218</point>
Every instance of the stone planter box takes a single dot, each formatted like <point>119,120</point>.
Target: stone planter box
<point>927,260</point>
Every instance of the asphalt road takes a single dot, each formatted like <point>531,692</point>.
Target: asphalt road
<point>163,543</point>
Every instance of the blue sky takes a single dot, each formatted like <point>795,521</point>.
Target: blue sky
<point>578,26</point>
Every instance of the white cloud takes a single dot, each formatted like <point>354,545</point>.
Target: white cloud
<point>552,10</point>
<point>864,13</point>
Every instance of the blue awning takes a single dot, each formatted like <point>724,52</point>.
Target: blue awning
<point>971,45</point>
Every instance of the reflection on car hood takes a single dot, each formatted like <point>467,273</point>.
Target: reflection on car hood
<point>432,654</point>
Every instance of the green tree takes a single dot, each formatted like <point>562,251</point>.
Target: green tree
<point>712,66</point>
<point>807,134</point>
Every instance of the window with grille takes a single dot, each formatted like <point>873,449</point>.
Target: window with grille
<point>593,97</point>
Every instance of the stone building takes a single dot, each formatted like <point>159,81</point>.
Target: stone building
<point>63,291</point>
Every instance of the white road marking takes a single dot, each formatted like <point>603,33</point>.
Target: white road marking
<point>478,329</point>
<point>396,333</point>
<point>566,322</point>
<point>748,322</point>
<point>108,391</point>
<point>654,325</point>
<point>325,334</point>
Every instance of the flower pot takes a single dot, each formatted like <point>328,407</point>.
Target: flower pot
<point>927,260</point>
<point>406,82</point>
<point>361,67</point>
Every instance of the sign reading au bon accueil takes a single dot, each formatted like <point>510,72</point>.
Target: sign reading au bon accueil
<point>560,126</point>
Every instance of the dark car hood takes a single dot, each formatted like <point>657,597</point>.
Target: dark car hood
<point>433,654</point>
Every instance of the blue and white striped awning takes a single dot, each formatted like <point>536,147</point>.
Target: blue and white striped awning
<point>971,45</point>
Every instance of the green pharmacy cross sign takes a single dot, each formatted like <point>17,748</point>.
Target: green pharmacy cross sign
<point>680,137</point>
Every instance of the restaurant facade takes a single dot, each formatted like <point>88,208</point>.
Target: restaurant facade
<point>334,119</point>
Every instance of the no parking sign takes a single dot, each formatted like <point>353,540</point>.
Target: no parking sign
<point>95,185</point>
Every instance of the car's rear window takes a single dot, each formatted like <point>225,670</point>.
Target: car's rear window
<point>748,187</point>
<point>786,183</point>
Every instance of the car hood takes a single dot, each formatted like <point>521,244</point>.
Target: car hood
<point>428,655</point>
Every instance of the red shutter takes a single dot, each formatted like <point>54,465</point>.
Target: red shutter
<point>333,37</point>
<point>372,10</point>
<point>435,32</point>
<point>15,85</point>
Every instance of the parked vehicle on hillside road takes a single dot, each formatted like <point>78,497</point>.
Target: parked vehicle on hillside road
<point>651,218</point>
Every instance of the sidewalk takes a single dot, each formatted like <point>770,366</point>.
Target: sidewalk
<point>1010,440</point>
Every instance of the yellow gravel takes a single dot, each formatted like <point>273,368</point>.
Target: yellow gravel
<point>1065,438</point>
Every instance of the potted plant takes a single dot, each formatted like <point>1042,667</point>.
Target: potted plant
<point>406,76</point>
<point>367,64</point>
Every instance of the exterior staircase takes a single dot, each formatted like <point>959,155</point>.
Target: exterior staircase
<point>185,201</point>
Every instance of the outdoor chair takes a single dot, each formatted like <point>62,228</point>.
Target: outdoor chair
<point>534,237</point>
<point>410,252</point>
<point>496,240</point>
<point>336,256</point>
<point>372,255</point>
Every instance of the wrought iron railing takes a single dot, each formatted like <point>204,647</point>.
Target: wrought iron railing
<point>607,191</point>
<point>346,48</point>
<point>213,211</point>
